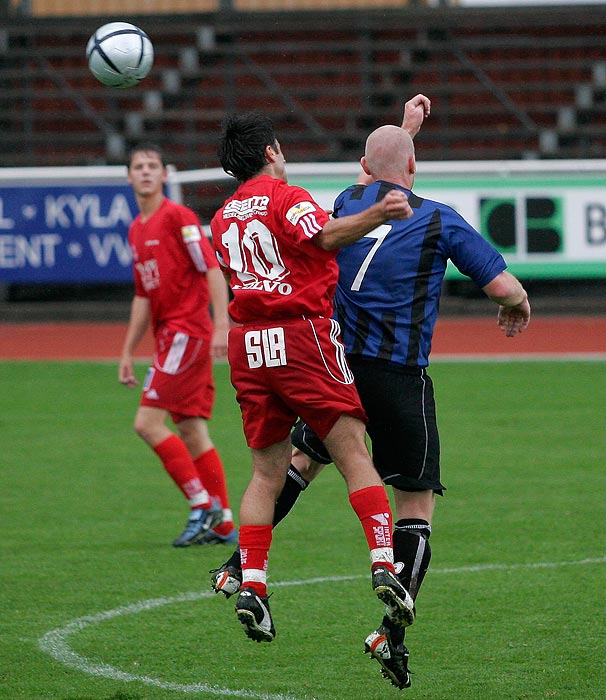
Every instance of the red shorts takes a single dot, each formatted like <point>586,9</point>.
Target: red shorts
<point>180,380</point>
<point>287,370</point>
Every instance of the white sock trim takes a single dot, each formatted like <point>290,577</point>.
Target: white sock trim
<point>381,554</point>
<point>198,499</point>
<point>254,575</point>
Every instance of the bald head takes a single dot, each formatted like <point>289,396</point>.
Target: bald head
<point>390,155</point>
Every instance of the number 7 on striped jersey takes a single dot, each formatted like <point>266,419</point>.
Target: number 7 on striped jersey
<point>380,234</point>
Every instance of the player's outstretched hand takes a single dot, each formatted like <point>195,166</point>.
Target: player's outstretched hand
<point>396,206</point>
<point>218,345</point>
<point>514,319</point>
<point>126,373</point>
<point>415,111</point>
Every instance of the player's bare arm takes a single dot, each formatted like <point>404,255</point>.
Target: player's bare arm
<point>137,326</point>
<point>219,298</point>
<point>348,229</point>
<point>415,111</point>
<point>514,309</point>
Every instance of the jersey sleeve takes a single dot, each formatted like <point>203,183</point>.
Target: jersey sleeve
<point>195,241</point>
<point>208,251</point>
<point>472,254</point>
<point>303,218</point>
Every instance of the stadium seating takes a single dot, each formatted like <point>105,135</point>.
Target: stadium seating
<point>507,84</point>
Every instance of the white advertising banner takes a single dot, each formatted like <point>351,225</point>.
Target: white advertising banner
<point>548,223</point>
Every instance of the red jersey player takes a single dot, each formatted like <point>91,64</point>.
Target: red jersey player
<point>176,278</point>
<point>279,249</point>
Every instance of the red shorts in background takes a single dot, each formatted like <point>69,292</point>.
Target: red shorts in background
<point>290,369</point>
<point>180,380</point>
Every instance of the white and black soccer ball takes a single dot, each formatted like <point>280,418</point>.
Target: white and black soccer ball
<point>119,54</point>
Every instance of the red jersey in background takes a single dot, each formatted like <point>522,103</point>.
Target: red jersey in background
<point>170,257</point>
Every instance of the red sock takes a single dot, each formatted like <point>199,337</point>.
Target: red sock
<point>255,541</point>
<point>178,463</point>
<point>372,507</point>
<point>211,473</point>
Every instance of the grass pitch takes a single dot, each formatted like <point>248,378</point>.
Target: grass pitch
<point>97,605</point>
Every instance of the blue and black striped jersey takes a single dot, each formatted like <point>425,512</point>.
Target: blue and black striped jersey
<point>390,281</point>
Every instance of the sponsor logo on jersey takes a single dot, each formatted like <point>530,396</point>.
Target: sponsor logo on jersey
<point>246,208</point>
<point>191,233</point>
<point>294,214</point>
<point>152,242</point>
<point>266,286</point>
<point>304,215</point>
<point>149,273</point>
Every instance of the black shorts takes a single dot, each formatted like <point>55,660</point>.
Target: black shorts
<point>399,402</point>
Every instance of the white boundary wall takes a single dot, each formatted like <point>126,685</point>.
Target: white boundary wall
<point>547,217</point>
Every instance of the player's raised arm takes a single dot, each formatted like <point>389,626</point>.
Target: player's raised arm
<point>416,110</point>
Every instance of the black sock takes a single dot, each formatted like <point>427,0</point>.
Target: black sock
<point>411,548</point>
<point>293,486</point>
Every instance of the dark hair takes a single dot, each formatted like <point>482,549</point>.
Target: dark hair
<point>243,141</point>
<point>146,147</point>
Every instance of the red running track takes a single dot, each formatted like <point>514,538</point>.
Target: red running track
<point>454,338</point>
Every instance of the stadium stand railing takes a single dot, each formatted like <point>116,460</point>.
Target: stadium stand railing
<point>505,84</point>
<point>124,8</point>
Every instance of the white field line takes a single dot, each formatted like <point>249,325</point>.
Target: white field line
<point>56,642</point>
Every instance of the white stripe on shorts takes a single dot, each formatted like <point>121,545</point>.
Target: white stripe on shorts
<point>335,332</point>
<point>347,376</point>
<point>175,354</point>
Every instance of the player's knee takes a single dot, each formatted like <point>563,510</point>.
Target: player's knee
<point>142,428</point>
<point>347,434</point>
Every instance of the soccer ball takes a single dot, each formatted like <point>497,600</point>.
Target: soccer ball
<point>119,54</point>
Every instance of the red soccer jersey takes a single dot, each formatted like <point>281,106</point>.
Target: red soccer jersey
<point>263,234</point>
<point>170,257</point>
